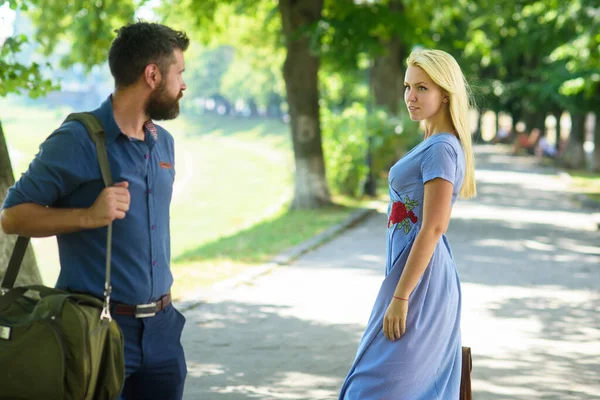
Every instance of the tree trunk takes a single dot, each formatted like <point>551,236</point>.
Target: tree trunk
<point>386,73</point>
<point>496,123</point>
<point>274,106</point>
<point>478,138</point>
<point>597,142</point>
<point>29,273</point>
<point>253,107</point>
<point>557,115</point>
<point>300,72</point>
<point>540,121</point>
<point>385,82</point>
<point>574,156</point>
<point>514,120</point>
<point>385,76</point>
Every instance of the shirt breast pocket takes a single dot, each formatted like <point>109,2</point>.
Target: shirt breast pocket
<point>164,182</point>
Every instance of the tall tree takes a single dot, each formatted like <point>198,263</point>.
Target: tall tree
<point>582,87</point>
<point>301,75</point>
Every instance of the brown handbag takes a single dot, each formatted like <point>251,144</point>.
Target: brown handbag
<point>465,379</point>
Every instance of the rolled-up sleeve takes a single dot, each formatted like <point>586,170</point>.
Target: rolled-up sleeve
<point>61,164</point>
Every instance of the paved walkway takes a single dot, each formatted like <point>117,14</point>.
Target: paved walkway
<point>530,268</point>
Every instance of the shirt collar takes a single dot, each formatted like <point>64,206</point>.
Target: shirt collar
<point>149,125</point>
<point>107,116</point>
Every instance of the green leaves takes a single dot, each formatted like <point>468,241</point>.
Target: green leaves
<point>406,225</point>
<point>526,56</point>
<point>410,204</point>
<point>15,77</point>
<point>80,31</point>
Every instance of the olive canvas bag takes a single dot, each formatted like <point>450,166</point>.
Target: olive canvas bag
<point>57,345</point>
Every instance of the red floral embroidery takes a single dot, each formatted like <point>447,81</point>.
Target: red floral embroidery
<point>402,212</point>
<point>412,217</point>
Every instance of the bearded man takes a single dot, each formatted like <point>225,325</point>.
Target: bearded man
<point>62,194</point>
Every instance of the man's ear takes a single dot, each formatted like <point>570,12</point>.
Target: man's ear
<point>152,76</point>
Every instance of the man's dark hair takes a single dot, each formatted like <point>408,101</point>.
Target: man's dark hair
<point>140,44</point>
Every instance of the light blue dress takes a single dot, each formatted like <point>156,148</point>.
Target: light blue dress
<point>425,364</point>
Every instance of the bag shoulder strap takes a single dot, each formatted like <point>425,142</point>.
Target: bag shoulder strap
<point>95,129</point>
<point>14,264</point>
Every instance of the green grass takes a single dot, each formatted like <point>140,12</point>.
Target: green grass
<point>229,255</point>
<point>233,185</point>
<point>25,129</point>
<point>229,181</point>
<point>587,183</point>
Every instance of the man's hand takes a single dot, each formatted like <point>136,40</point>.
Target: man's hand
<point>112,203</point>
<point>394,321</point>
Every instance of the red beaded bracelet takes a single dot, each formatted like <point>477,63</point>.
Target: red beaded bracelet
<point>399,298</point>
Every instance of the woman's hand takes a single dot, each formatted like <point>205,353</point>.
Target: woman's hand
<point>394,321</point>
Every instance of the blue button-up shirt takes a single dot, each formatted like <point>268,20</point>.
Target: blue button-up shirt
<point>66,174</point>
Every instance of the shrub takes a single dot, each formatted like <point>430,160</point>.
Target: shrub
<point>346,143</point>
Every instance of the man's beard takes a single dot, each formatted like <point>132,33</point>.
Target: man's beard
<point>162,107</point>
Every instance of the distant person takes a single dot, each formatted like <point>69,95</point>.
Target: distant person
<point>63,194</point>
<point>526,143</point>
<point>545,149</point>
<point>502,136</point>
<point>411,348</point>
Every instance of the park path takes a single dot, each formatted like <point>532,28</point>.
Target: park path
<point>529,263</point>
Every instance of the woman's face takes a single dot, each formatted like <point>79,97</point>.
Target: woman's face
<point>423,97</point>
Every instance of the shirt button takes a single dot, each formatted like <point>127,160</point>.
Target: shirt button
<point>153,227</point>
<point>146,156</point>
<point>149,191</point>
<point>154,262</point>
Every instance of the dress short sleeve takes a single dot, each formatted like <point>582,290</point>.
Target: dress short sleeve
<point>439,161</point>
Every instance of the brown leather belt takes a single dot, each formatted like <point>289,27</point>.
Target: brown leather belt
<point>143,310</point>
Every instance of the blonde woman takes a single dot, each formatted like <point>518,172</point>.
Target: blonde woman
<point>411,349</point>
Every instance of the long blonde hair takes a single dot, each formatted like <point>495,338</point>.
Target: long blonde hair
<point>443,69</point>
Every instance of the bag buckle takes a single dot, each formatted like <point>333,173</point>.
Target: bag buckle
<point>5,332</point>
<point>145,310</point>
<point>105,314</point>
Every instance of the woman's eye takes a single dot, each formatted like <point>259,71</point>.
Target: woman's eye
<point>422,88</point>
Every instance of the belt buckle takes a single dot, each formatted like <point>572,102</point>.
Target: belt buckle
<point>145,310</point>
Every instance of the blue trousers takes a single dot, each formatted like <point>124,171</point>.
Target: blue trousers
<point>154,360</point>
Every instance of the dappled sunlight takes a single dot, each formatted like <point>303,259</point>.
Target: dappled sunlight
<point>506,244</point>
<point>479,259</point>
<point>561,219</point>
<point>291,385</point>
<point>196,369</point>
<point>319,304</point>
<point>534,181</point>
<point>498,252</point>
<point>532,340</point>
<point>373,258</point>
<point>264,350</point>
<point>572,245</point>
<point>519,245</point>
